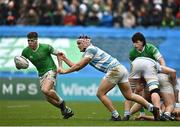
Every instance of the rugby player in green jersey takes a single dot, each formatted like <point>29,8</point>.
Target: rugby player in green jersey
<point>142,49</point>
<point>40,56</point>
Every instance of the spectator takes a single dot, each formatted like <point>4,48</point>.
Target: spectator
<point>81,19</point>
<point>129,20</point>
<point>70,19</point>
<point>59,14</point>
<point>156,17</point>
<point>47,12</point>
<point>32,17</point>
<point>96,12</point>
<point>11,13</point>
<point>178,18</point>
<point>143,17</point>
<point>94,15</point>
<point>168,18</point>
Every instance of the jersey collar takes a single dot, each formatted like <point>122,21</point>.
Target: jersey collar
<point>142,50</point>
<point>36,48</point>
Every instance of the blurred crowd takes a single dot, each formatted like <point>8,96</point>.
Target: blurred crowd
<point>109,13</point>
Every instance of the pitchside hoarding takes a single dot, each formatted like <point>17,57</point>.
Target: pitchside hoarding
<point>70,88</point>
<point>83,88</point>
<point>73,87</point>
<point>20,88</point>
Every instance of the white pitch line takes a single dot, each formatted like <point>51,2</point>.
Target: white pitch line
<point>18,106</point>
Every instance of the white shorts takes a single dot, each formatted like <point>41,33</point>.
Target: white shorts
<point>118,74</point>
<point>51,75</point>
<point>165,85</point>
<point>145,68</point>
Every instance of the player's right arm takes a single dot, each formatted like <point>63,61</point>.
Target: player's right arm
<point>157,55</point>
<point>65,59</point>
<point>60,57</point>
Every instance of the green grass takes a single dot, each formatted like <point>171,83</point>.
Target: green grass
<point>41,113</point>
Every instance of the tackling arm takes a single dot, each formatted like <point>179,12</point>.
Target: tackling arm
<point>55,52</point>
<point>162,61</point>
<point>76,67</point>
<point>65,59</point>
<point>171,72</point>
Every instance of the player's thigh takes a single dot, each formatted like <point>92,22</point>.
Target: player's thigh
<point>125,89</point>
<point>105,86</point>
<point>48,80</point>
<point>168,98</point>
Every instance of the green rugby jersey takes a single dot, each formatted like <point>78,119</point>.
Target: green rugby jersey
<point>149,51</point>
<point>41,58</point>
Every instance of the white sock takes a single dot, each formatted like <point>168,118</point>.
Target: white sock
<point>126,112</point>
<point>150,107</point>
<point>167,113</point>
<point>115,113</point>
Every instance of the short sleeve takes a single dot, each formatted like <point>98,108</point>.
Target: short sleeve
<point>51,49</point>
<point>156,53</point>
<point>90,52</point>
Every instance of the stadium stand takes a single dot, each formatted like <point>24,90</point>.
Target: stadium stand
<point>109,13</point>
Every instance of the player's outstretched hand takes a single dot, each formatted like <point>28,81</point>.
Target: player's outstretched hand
<point>61,55</point>
<point>61,70</point>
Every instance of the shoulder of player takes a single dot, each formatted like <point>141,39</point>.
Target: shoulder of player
<point>46,46</point>
<point>149,45</point>
<point>25,49</point>
<point>132,51</point>
<point>43,44</point>
<point>92,49</point>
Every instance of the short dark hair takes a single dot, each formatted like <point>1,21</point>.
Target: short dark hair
<point>139,36</point>
<point>32,35</point>
<point>84,37</point>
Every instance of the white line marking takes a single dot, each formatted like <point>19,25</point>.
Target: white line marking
<point>18,106</point>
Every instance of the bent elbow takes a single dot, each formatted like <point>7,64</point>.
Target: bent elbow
<point>173,71</point>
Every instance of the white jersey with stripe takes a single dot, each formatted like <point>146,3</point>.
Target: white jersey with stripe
<point>100,59</point>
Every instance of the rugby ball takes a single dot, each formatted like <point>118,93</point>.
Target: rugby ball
<point>21,62</point>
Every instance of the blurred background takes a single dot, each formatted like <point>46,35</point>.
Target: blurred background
<point>110,24</point>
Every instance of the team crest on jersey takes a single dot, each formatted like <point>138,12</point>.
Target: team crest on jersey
<point>31,57</point>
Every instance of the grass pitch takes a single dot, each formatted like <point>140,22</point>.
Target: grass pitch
<point>41,113</point>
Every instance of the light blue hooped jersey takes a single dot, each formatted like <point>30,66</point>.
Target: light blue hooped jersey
<point>100,59</point>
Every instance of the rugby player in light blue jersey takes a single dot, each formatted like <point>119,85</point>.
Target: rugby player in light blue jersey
<point>116,74</point>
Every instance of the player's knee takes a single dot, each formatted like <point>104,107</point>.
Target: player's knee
<point>129,96</point>
<point>45,91</point>
<point>100,94</point>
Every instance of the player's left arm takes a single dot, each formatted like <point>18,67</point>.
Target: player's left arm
<point>162,61</point>
<point>55,52</point>
<point>76,67</point>
<point>171,72</point>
